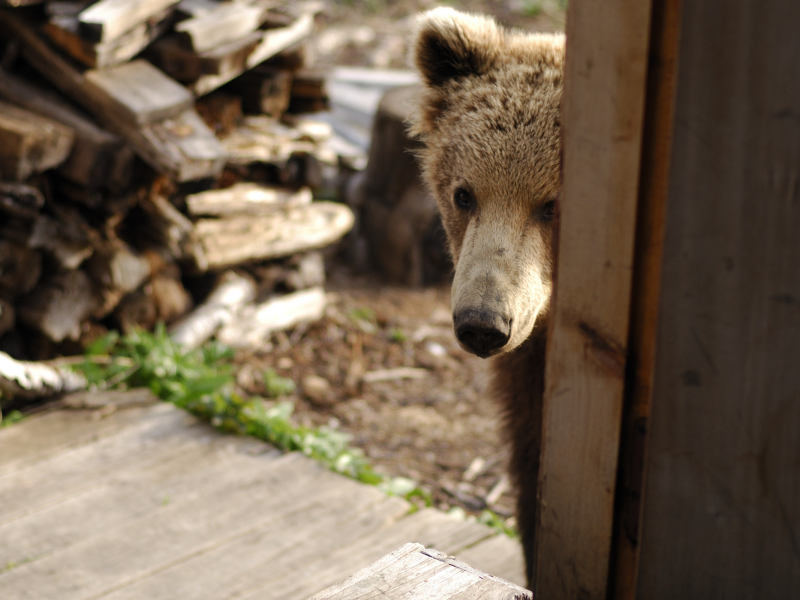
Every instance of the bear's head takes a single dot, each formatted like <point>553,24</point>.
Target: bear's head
<point>489,118</point>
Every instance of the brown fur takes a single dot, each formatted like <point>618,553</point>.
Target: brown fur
<point>489,118</point>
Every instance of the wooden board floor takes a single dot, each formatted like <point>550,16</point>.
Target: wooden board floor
<point>150,503</point>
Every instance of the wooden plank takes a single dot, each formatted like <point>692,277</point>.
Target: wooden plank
<point>173,468</point>
<point>138,93</point>
<point>63,30</point>
<point>52,433</point>
<point>182,146</point>
<point>588,333</point>
<point>230,61</point>
<point>244,199</point>
<point>500,556</point>
<point>109,19</point>
<point>90,162</point>
<point>225,23</point>
<point>428,527</point>
<point>33,486</point>
<point>236,240</point>
<point>218,511</point>
<point>721,514</point>
<point>204,71</point>
<point>30,143</point>
<point>414,572</point>
<point>656,148</point>
<point>285,545</point>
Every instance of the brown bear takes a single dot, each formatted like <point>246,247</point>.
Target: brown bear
<point>489,118</point>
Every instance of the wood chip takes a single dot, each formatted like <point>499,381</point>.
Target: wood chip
<point>394,374</point>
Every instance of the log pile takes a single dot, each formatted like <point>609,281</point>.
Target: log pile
<point>150,171</point>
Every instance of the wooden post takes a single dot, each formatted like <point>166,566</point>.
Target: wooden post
<point>721,514</point>
<point>603,113</point>
<point>656,148</point>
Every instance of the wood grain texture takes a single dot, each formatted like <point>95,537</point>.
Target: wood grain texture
<point>603,107</point>
<point>30,143</point>
<point>722,497</point>
<point>295,229</point>
<point>138,93</point>
<point>90,162</point>
<point>412,572</point>
<point>656,148</point>
<point>109,19</point>
<point>181,146</point>
<point>148,502</point>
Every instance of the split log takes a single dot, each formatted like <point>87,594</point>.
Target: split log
<point>30,143</point>
<point>298,272</point>
<point>253,324</point>
<point>20,200</point>
<point>97,157</point>
<point>110,19</point>
<point>220,111</point>
<point>208,70</point>
<point>66,241</point>
<point>232,293</point>
<point>21,379</point>
<point>227,22</point>
<point>63,30</point>
<point>172,230</point>
<point>119,271</point>
<point>264,90</point>
<point>137,93</point>
<point>136,311</point>
<point>20,268</point>
<point>245,199</point>
<point>309,92</point>
<point>282,38</point>
<point>204,71</point>
<point>181,146</point>
<point>171,299</point>
<point>238,240</point>
<point>59,305</point>
<point>260,139</point>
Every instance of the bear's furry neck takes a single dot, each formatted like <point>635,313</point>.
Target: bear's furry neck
<point>521,402</point>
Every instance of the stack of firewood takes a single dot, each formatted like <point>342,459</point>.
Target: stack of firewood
<point>157,163</point>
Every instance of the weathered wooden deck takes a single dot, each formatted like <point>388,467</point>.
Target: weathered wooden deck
<point>151,503</point>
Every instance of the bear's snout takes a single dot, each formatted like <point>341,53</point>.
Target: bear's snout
<point>482,331</point>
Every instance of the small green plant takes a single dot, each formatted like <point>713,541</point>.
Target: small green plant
<point>276,386</point>
<point>397,335</point>
<point>495,521</point>
<point>201,381</point>
<point>363,314</point>
<point>11,418</point>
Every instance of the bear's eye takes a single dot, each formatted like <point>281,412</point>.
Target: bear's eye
<point>549,209</point>
<point>463,199</point>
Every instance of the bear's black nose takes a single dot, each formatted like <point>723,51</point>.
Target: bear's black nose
<point>482,331</point>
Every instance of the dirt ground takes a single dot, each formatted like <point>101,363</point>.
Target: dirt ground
<point>440,429</point>
<point>443,429</point>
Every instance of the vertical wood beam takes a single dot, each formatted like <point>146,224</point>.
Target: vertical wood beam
<point>603,113</point>
<point>653,188</point>
<point>721,517</point>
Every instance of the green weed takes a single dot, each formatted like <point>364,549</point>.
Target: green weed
<point>201,381</point>
<point>276,386</point>
<point>11,418</point>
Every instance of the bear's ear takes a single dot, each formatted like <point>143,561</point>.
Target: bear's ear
<point>449,44</point>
